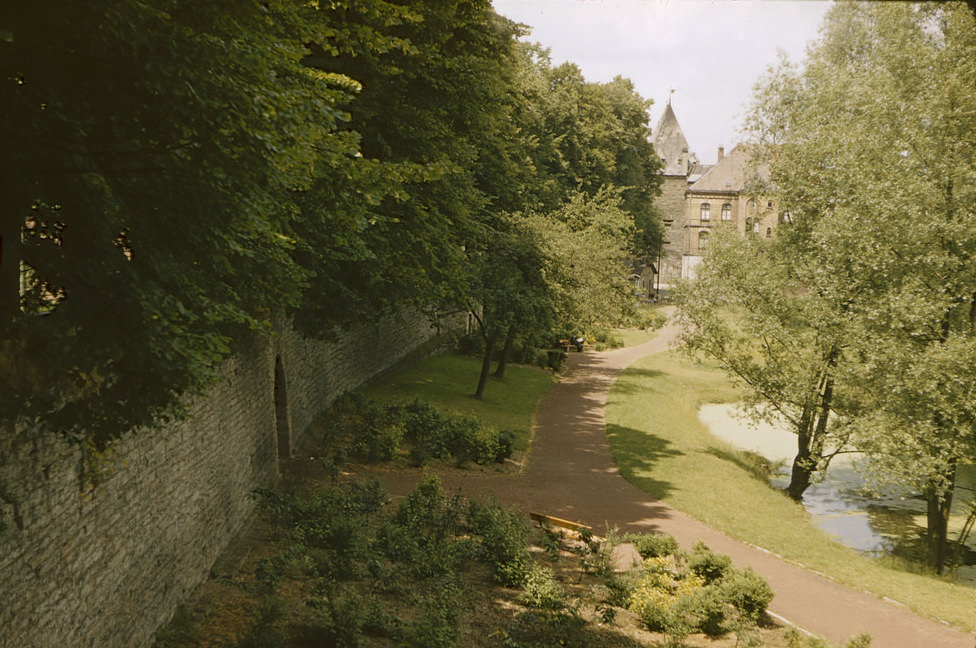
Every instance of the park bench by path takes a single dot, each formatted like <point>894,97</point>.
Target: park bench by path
<point>581,531</point>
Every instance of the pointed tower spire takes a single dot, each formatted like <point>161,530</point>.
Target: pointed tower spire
<point>670,143</point>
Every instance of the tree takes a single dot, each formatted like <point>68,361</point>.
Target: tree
<point>771,320</point>
<point>146,219</point>
<point>587,243</point>
<point>509,294</point>
<point>873,144</point>
<point>589,137</point>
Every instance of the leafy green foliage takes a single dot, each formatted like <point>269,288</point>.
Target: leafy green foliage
<point>678,595</point>
<point>504,539</point>
<point>885,225</point>
<point>361,428</point>
<point>653,545</point>
<point>707,564</point>
<point>348,158</point>
<point>542,591</point>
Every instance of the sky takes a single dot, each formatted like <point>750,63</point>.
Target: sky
<point>710,52</point>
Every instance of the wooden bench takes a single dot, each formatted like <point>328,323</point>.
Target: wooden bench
<point>575,528</point>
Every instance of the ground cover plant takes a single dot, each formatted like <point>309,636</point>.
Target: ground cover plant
<point>672,456</point>
<point>346,565</point>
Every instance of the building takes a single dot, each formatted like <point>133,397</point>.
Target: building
<point>696,198</point>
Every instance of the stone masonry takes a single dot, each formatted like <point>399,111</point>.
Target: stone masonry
<point>104,566</point>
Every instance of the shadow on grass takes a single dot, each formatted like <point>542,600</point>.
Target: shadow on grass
<point>756,465</point>
<point>638,382</point>
<point>636,453</point>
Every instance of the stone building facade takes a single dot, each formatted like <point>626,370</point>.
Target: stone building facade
<point>104,564</point>
<point>697,198</point>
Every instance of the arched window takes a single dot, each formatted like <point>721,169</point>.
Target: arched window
<point>769,232</point>
<point>705,211</point>
<point>726,211</point>
<point>702,241</point>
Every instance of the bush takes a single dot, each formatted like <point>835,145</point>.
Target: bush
<point>442,437</point>
<point>747,591</point>
<point>652,545</point>
<point>539,358</point>
<point>369,431</point>
<point>556,358</point>
<point>542,591</point>
<point>439,621</point>
<point>709,565</point>
<point>704,609</point>
<point>504,539</point>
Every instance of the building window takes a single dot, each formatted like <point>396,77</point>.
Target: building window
<point>706,211</point>
<point>755,227</point>
<point>726,211</point>
<point>702,241</point>
<point>769,232</point>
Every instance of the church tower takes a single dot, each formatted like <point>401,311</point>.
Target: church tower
<point>678,167</point>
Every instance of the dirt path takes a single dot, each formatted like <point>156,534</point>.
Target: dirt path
<point>570,473</point>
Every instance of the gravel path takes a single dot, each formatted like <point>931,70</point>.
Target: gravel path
<point>570,473</point>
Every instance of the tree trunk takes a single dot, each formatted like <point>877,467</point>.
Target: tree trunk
<point>800,476</point>
<point>503,360</point>
<point>939,506</point>
<point>803,465</point>
<point>485,367</point>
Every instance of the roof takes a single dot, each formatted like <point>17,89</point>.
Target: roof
<point>670,144</point>
<point>728,175</point>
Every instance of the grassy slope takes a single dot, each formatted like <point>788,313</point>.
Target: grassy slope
<point>662,447</point>
<point>448,381</point>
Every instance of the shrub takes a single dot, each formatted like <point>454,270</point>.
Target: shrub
<point>651,545</point>
<point>506,445</point>
<point>709,565</point>
<point>555,359</point>
<point>655,600</point>
<point>538,358</point>
<point>542,591</point>
<point>439,621</point>
<point>704,609</point>
<point>504,539</point>
<point>747,591</point>
<point>369,431</point>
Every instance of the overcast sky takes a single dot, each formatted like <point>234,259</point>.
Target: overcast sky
<point>711,52</point>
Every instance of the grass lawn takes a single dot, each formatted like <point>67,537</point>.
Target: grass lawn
<point>662,447</point>
<point>448,381</point>
<point>633,336</point>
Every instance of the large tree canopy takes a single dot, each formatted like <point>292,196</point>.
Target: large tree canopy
<point>177,173</point>
<point>872,144</point>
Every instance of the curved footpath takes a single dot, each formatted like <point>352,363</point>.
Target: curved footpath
<point>571,474</point>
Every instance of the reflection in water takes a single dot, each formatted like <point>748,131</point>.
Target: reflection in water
<point>892,522</point>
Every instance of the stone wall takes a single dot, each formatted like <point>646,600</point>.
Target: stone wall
<point>104,566</point>
<point>671,202</point>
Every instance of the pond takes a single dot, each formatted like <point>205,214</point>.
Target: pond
<point>892,523</point>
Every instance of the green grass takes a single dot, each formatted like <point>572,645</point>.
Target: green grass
<point>662,447</point>
<point>448,381</point>
<point>633,337</point>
